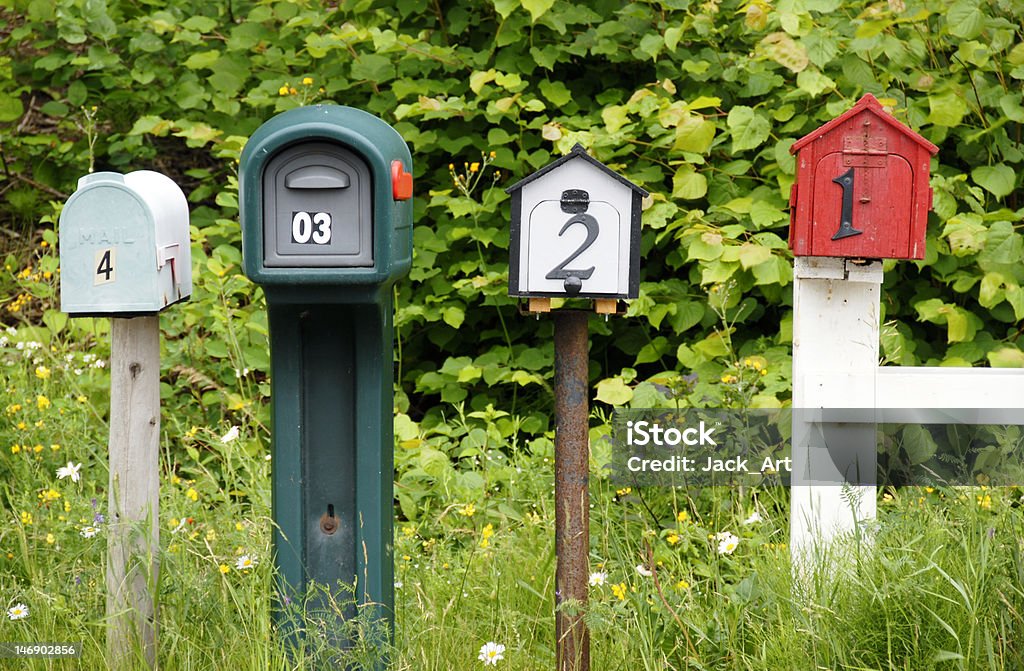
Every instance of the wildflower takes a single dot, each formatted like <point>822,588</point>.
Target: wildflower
<point>984,501</point>
<point>26,518</point>
<point>230,435</point>
<point>306,81</point>
<point>682,516</point>
<point>468,510</point>
<point>729,379</point>
<point>88,532</point>
<point>55,447</point>
<point>672,539</point>
<point>69,471</point>
<point>682,584</point>
<point>42,372</point>
<point>624,491</point>
<point>409,531</point>
<point>754,518</point>
<point>598,578</point>
<point>493,154</point>
<point>644,571</point>
<point>491,653</point>
<point>50,539</point>
<point>293,90</point>
<point>192,494</point>
<point>15,449</point>
<point>245,562</point>
<point>238,526</point>
<point>81,399</point>
<point>283,90</point>
<point>398,584</point>
<point>487,533</point>
<point>48,495</point>
<point>18,612</point>
<point>474,167</point>
<point>727,542</point>
<point>42,402</point>
<point>223,568</point>
<point>619,591</point>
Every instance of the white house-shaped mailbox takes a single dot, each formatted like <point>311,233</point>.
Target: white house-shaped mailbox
<point>575,231</point>
<point>124,245</point>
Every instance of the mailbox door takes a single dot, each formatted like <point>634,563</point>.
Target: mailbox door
<point>317,208</point>
<point>584,244</point>
<point>861,210</point>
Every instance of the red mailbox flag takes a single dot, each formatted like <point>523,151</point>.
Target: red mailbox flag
<point>861,188</point>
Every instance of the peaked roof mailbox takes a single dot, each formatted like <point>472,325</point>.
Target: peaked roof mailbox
<point>575,231</point>
<point>862,187</point>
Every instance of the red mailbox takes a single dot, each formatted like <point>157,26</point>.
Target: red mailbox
<point>861,187</point>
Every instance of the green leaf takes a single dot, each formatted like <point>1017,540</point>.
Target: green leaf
<point>153,125</point>
<point>202,59</point>
<point>814,83</point>
<point>537,8</point>
<point>453,316</point>
<point>785,51</point>
<point>748,128</point>
<point>694,134</point>
<point>751,254</point>
<point>1006,356</point>
<point>614,391</point>
<point>946,109</point>
<point>505,7</point>
<point>373,67</point>
<point>996,179</point>
<point>965,20</point>
<point>689,184</point>
<point>615,117</point>
<point>918,444</point>
<point>10,107</point>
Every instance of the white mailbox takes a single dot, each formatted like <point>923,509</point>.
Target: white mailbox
<point>124,245</point>
<point>575,231</point>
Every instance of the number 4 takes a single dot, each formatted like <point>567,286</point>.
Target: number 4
<point>104,266</point>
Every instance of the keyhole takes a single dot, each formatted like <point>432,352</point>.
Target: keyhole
<point>328,522</point>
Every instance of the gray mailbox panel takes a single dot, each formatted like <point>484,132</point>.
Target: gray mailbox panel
<point>317,208</point>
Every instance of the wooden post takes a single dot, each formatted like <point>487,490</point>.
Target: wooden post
<point>572,493</point>
<point>133,536</point>
<point>835,356</point>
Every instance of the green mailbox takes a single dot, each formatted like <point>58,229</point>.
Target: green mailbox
<point>326,212</point>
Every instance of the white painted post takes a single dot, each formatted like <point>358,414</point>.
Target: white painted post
<point>835,356</point>
<point>133,525</point>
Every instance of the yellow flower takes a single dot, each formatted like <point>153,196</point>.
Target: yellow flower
<point>15,449</point>
<point>624,491</point>
<point>55,447</point>
<point>224,568</point>
<point>682,516</point>
<point>37,448</point>
<point>211,535</point>
<point>50,539</point>
<point>985,501</point>
<point>67,506</point>
<point>493,154</point>
<point>307,80</point>
<point>619,591</point>
<point>293,90</point>
<point>175,479</point>
<point>192,494</point>
<point>13,408</point>
<point>672,539</point>
<point>238,526</point>
<point>173,523</point>
<point>487,533</point>
<point>42,372</point>
<point>26,518</point>
<point>283,90</point>
<point>474,167</point>
<point>408,531</point>
<point>468,510</point>
<point>682,584</point>
<point>81,399</point>
<point>42,402</point>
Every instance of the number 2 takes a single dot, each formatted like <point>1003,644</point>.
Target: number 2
<point>560,272</point>
<point>104,266</point>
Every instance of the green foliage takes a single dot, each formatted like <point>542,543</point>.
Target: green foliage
<point>697,102</point>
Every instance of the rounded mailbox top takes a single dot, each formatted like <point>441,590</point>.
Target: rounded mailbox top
<point>317,202</point>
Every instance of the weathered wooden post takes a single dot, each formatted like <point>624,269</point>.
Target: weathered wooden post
<point>575,233</point>
<point>125,254</point>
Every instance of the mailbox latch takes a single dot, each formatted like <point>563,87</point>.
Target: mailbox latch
<point>864,151</point>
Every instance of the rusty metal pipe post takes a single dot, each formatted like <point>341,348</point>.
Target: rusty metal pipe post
<point>572,497</point>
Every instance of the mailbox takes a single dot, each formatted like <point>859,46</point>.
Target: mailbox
<point>326,213</point>
<point>124,245</point>
<point>575,231</point>
<point>862,187</point>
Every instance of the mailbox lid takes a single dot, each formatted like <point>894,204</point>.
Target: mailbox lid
<point>317,208</point>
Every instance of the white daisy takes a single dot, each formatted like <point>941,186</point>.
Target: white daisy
<point>727,542</point>
<point>89,531</point>
<point>232,434</point>
<point>598,578</point>
<point>754,517</point>
<point>69,471</point>
<point>18,612</point>
<point>491,653</point>
<point>245,562</point>
<point>644,571</point>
